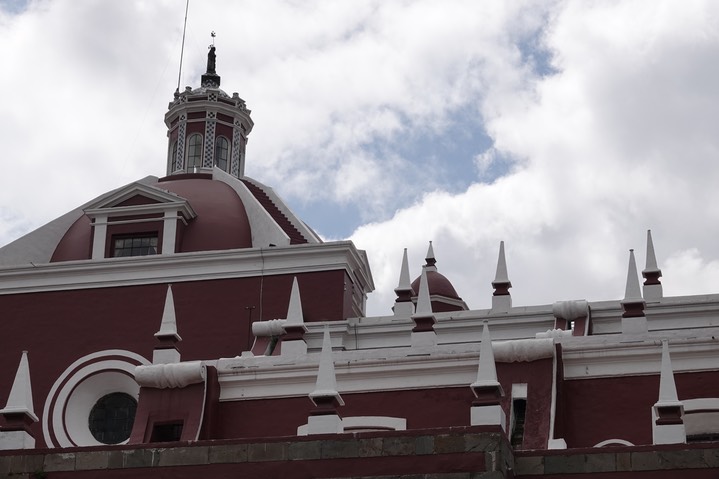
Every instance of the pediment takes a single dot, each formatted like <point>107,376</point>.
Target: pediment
<point>136,198</point>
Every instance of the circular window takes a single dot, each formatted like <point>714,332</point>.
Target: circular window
<point>111,418</point>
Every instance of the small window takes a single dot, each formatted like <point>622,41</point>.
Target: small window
<point>194,151</point>
<point>166,432</point>
<point>112,417</point>
<point>136,245</point>
<point>519,413</point>
<point>222,152</point>
<point>173,154</point>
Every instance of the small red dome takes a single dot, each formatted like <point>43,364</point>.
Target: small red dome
<point>438,285</point>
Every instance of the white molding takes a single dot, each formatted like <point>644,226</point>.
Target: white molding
<point>592,357</point>
<point>363,371</point>
<point>74,375</point>
<point>194,266</point>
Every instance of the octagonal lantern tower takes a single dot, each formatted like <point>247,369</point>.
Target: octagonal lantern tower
<point>206,128</point>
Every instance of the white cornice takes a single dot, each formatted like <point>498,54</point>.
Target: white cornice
<point>364,371</point>
<point>196,266</point>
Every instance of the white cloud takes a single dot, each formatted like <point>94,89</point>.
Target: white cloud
<point>620,137</point>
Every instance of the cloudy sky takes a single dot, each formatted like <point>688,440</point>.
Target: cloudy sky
<point>566,129</point>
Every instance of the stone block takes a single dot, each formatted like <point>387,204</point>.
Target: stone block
<point>272,451</point>
<point>5,464</point>
<point>684,459</point>
<point>369,447</point>
<point>424,445</point>
<point>228,453</point>
<point>645,461</point>
<point>85,461</point>
<point>602,462</point>
<point>481,442</point>
<point>564,464</point>
<point>624,461</point>
<point>138,457</point>
<point>532,465</point>
<point>446,444</point>
<point>25,463</point>
<point>59,462</point>
<point>710,459</point>
<point>115,459</point>
<point>304,450</point>
<point>339,449</point>
<point>398,446</point>
<point>184,456</point>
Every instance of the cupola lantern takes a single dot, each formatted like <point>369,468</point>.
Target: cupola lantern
<point>207,128</point>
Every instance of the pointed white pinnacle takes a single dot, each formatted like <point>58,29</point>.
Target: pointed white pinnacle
<point>20,399</point>
<point>424,304</point>
<point>667,387</point>
<point>168,326</point>
<point>326,380</point>
<point>651,256</point>
<point>501,276</point>
<point>404,283</point>
<point>487,373</point>
<point>430,252</point>
<point>294,310</point>
<point>632,291</point>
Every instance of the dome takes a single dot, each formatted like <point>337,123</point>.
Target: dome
<point>438,284</point>
<point>220,223</point>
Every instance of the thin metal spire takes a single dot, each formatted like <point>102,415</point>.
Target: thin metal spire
<point>182,50</point>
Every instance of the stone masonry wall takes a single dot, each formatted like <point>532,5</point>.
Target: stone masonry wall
<point>456,453</point>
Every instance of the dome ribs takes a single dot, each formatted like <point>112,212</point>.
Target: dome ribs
<point>277,215</point>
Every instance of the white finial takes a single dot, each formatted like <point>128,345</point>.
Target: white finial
<point>430,259</point>
<point>326,380</point>
<point>651,257</point>
<point>501,276</point>
<point>404,282</point>
<point>424,304</point>
<point>294,310</point>
<point>667,387</point>
<point>487,374</point>
<point>168,326</point>
<point>632,291</point>
<point>20,399</point>
<point>652,287</point>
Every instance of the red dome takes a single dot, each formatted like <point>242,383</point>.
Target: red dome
<point>438,285</point>
<point>221,222</point>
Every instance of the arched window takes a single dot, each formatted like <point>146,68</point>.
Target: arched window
<point>194,151</point>
<point>173,155</point>
<point>222,152</point>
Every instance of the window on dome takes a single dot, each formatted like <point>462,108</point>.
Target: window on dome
<point>194,151</point>
<point>135,245</point>
<point>112,417</point>
<point>222,152</point>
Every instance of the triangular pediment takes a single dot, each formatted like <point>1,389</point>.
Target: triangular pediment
<point>138,196</point>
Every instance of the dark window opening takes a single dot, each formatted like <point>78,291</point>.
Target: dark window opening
<point>222,152</point>
<point>111,418</point>
<point>173,155</point>
<point>135,245</point>
<point>166,432</point>
<point>519,411</point>
<point>194,151</point>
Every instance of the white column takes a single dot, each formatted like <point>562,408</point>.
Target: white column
<point>169,232</point>
<point>99,237</point>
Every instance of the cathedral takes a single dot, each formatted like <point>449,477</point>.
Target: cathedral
<point>192,325</point>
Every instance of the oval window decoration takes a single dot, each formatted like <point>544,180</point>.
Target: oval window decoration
<point>111,418</point>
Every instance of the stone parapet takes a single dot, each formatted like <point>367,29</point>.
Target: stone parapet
<point>453,453</point>
<point>621,462</point>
